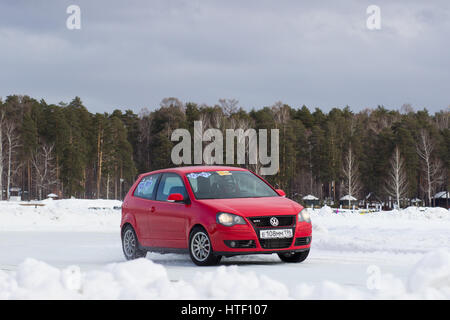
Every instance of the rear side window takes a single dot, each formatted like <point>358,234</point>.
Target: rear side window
<point>146,187</point>
<point>170,183</point>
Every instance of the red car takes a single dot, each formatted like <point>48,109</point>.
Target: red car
<point>211,212</point>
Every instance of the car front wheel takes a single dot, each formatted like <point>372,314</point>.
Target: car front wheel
<point>294,256</point>
<point>200,248</point>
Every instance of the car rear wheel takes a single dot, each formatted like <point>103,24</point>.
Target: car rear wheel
<point>294,256</point>
<point>130,244</point>
<point>200,248</point>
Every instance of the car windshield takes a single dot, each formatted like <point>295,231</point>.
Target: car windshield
<point>228,185</point>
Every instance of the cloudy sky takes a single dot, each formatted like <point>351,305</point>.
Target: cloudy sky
<point>132,54</point>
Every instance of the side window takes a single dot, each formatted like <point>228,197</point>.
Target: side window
<point>194,184</point>
<point>170,183</point>
<point>146,187</point>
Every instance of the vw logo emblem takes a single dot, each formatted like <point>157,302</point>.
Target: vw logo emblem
<point>274,221</point>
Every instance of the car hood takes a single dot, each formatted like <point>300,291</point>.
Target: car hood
<point>255,207</point>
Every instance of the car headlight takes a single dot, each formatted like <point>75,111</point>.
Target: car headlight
<point>303,216</point>
<point>228,219</point>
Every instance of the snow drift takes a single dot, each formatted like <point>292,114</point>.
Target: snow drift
<point>60,215</point>
<point>144,279</point>
<point>412,230</point>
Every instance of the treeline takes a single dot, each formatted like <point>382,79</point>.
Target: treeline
<point>67,150</point>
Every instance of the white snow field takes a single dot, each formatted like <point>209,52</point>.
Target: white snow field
<point>70,249</point>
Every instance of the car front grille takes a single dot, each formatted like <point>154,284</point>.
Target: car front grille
<point>264,222</point>
<point>275,243</point>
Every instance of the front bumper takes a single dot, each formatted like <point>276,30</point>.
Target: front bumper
<point>240,253</point>
<point>221,235</point>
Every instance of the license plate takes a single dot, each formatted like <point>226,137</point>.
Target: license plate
<point>275,233</point>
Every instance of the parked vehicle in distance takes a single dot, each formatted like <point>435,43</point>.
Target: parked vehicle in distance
<point>211,212</point>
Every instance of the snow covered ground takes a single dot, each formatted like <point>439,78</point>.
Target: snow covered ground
<point>70,249</point>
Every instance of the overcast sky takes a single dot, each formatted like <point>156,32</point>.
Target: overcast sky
<point>132,54</point>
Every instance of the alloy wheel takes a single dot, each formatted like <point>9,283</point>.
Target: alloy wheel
<point>129,243</point>
<point>200,246</point>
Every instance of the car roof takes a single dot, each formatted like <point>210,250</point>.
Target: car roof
<point>184,170</point>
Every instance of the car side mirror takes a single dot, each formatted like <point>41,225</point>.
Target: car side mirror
<point>281,192</point>
<point>175,197</point>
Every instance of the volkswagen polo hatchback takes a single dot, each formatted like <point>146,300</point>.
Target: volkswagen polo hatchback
<point>211,212</point>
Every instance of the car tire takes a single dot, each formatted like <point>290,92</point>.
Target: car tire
<point>294,257</point>
<point>200,248</point>
<point>130,244</point>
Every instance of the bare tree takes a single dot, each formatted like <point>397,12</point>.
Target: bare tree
<point>12,143</point>
<point>213,119</point>
<point>243,138</point>
<point>280,113</point>
<point>310,162</point>
<point>2,155</point>
<point>172,102</point>
<point>352,184</point>
<point>145,136</point>
<point>108,180</point>
<point>406,108</point>
<point>229,106</point>
<point>44,165</point>
<point>442,119</point>
<point>217,119</point>
<point>100,142</point>
<point>378,121</point>
<point>431,166</point>
<point>397,181</point>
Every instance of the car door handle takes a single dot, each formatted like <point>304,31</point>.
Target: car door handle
<point>152,209</point>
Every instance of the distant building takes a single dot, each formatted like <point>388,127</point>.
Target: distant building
<point>344,201</point>
<point>310,201</point>
<point>372,201</point>
<point>15,194</point>
<point>416,202</point>
<point>52,196</point>
<point>441,199</point>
